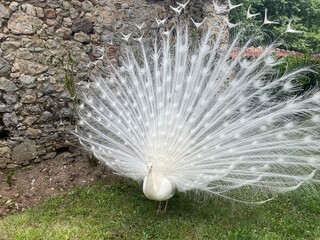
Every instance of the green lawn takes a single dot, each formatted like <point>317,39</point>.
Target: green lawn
<point>118,210</point>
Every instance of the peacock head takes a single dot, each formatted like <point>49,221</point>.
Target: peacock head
<point>149,167</point>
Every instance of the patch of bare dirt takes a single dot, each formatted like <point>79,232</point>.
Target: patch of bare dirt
<point>30,185</point>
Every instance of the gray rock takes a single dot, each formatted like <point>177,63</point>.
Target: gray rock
<point>97,52</point>
<point>87,6</point>
<point>64,33</point>
<point>5,67</point>
<point>3,162</point>
<point>10,119</point>
<point>45,117</point>
<point>13,6</point>
<point>30,120</point>
<point>4,13</point>
<point>29,67</point>
<point>49,155</point>
<point>39,12</point>
<point>10,45</point>
<point>117,5</point>
<point>66,5</point>
<point>5,152</point>
<point>49,128</point>
<point>10,99</point>
<point>67,22</point>
<point>21,23</point>
<point>33,133</point>
<point>29,98</point>
<point>52,4</point>
<point>82,37</point>
<point>51,43</point>
<point>46,88</point>
<point>5,108</point>
<point>73,13</point>
<point>125,6</point>
<point>25,151</point>
<point>12,166</point>
<point>33,109</point>
<point>25,54</point>
<point>7,85</point>
<point>82,25</point>
<point>26,80</point>
<point>29,9</point>
<point>49,13</point>
<point>66,113</point>
<point>107,37</point>
<point>95,2</point>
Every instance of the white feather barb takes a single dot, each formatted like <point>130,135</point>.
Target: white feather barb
<point>202,119</point>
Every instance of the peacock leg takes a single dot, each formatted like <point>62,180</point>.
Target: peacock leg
<point>165,207</point>
<point>159,208</point>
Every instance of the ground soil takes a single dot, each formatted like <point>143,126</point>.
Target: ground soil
<point>32,184</point>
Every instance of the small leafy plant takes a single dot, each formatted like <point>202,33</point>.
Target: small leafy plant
<point>9,177</point>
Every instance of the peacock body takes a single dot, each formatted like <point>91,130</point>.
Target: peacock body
<point>190,117</point>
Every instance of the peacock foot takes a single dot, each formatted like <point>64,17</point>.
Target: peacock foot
<point>160,210</point>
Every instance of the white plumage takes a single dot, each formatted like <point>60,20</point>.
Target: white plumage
<point>189,117</point>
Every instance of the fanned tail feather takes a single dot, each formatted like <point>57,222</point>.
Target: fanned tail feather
<point>205,120</point>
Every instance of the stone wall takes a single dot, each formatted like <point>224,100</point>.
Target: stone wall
<point>36,115</point>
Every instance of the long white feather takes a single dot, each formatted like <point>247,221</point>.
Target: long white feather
<point>201,120</point>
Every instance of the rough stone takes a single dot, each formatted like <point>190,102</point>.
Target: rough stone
<point>33,132</point>
<point>10,119</point>
<point>39,12</point>
<point>87,6</point>
<point>52,3</point>
<point>21,23</point>
<point>66,113</point>
<point>82,37</point>
<point>46,88</point>
<point>67,22</point>
<point>25,54</point>
<point>33,109</point>
<point>29,98</point>
<point>10,99</point>
<point>12,166</point>
<point>10,45</point>
<point>3,162</point>
<point>50,43</point>
<point>5,152</point>
<point>25,151</point>
<point>49,155</point>
<point>4,108</point>
<point>45,117</point>
<point>13,6</point>
<point>49,13</point>
<point>29,67</point>
<point>29,9</point>
<point>125,6</point>
<point>26,80</point>
<point>7,85</point>
<point>5,67</point>
<point>30,120</point>
<point>73,13</point>
<point>4,13</point>
<point>51,22</point>
<point>82,25</point>
<point>64,33</point>
<point>66,5</point>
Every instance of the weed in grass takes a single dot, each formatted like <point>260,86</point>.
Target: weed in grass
<point>9,177</point>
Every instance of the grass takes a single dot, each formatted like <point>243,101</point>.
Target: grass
<point>120,211</point>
